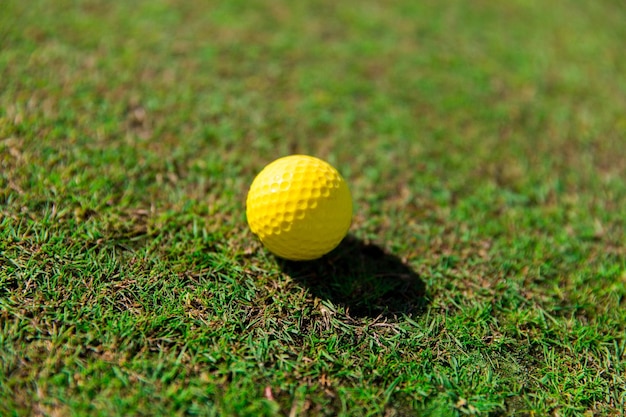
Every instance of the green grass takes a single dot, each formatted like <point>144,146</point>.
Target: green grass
<point>485,147</point>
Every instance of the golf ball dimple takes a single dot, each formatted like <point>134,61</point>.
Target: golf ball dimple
<point>300,207</point>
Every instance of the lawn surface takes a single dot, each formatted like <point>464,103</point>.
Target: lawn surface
<point>485,147</point>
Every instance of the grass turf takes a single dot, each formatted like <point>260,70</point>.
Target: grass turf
<point>485,147</point>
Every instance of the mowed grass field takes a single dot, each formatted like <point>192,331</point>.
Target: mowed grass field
<point>485,147</point>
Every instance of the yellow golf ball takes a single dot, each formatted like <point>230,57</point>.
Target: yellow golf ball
<point>300,207</point>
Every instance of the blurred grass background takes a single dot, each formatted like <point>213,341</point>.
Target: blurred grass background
<point>485,148</point>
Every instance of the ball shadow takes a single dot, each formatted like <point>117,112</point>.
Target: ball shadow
<point>362,277</point>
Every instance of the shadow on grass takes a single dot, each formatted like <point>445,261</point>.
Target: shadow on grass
<point>363,278</point>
